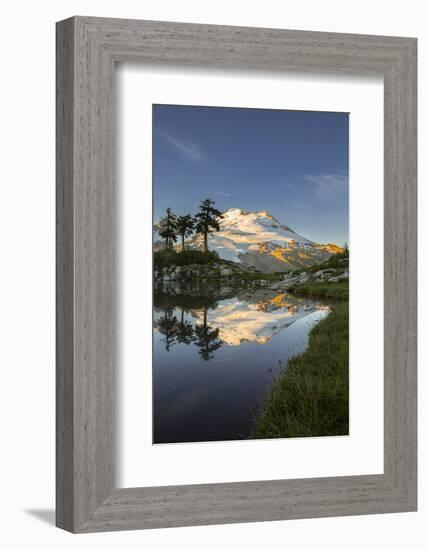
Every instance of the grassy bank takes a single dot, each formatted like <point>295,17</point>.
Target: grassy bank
<point>168,258</point>
<point>324,289</point>
<point>310,397</point>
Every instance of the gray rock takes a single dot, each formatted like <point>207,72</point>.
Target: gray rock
<point>340,277</point>
<point>276,286</point>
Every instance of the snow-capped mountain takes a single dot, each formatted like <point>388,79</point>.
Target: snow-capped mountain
<point>257,239</point>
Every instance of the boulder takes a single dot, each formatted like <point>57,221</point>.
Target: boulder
<point>276,286</point>
<point>341,277</point>
<point>226,272</point>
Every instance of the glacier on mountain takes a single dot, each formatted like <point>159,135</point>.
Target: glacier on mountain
<point>258,240</point>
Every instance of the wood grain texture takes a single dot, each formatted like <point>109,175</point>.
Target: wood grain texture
<point>87,49</point>
<point>64,276</point>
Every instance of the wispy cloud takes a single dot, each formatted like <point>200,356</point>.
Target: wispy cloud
<point>328,183</point>
<point>223,194</point>
<point>186,148</point>
<point>286,183</point>
<point>290,185</point>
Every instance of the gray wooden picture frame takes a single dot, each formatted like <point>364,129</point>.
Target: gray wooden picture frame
<point>87,50</point>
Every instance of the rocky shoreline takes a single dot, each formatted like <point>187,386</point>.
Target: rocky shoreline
<point>226,277</point>
<point>329,275</point>
<point>201,272</point>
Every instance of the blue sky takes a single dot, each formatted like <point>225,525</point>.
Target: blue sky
<point>294,164</point>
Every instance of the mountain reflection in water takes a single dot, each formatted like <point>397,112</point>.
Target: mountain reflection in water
<point>246,339</point>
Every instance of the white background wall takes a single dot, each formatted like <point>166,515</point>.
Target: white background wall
<point>27,271</point>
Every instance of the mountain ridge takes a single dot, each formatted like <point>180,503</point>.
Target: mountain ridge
<point>258,240</point>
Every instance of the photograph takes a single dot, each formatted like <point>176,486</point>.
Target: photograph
<point>250,273</point>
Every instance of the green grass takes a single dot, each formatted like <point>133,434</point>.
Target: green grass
<point>324,289</point>
<point>310,397</point>
<point>168,258</point>
<point>339,260</point>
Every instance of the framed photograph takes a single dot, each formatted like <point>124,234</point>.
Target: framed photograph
<point>236,274</point>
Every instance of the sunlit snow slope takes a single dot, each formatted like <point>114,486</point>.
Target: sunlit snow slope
<point>257,239</point>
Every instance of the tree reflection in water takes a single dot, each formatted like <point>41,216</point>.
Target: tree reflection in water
<point>206,338</point>
<point>167,325</point>
<point>174,331</point>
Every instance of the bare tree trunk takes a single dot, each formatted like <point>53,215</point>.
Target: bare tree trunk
<point>182,242</point>
<point>206,241</point>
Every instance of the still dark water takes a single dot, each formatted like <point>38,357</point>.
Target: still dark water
<point>215,358</point>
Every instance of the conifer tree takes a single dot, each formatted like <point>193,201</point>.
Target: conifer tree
<point>185,225</point>
<point>168,229</point>
<point>207,220</point>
